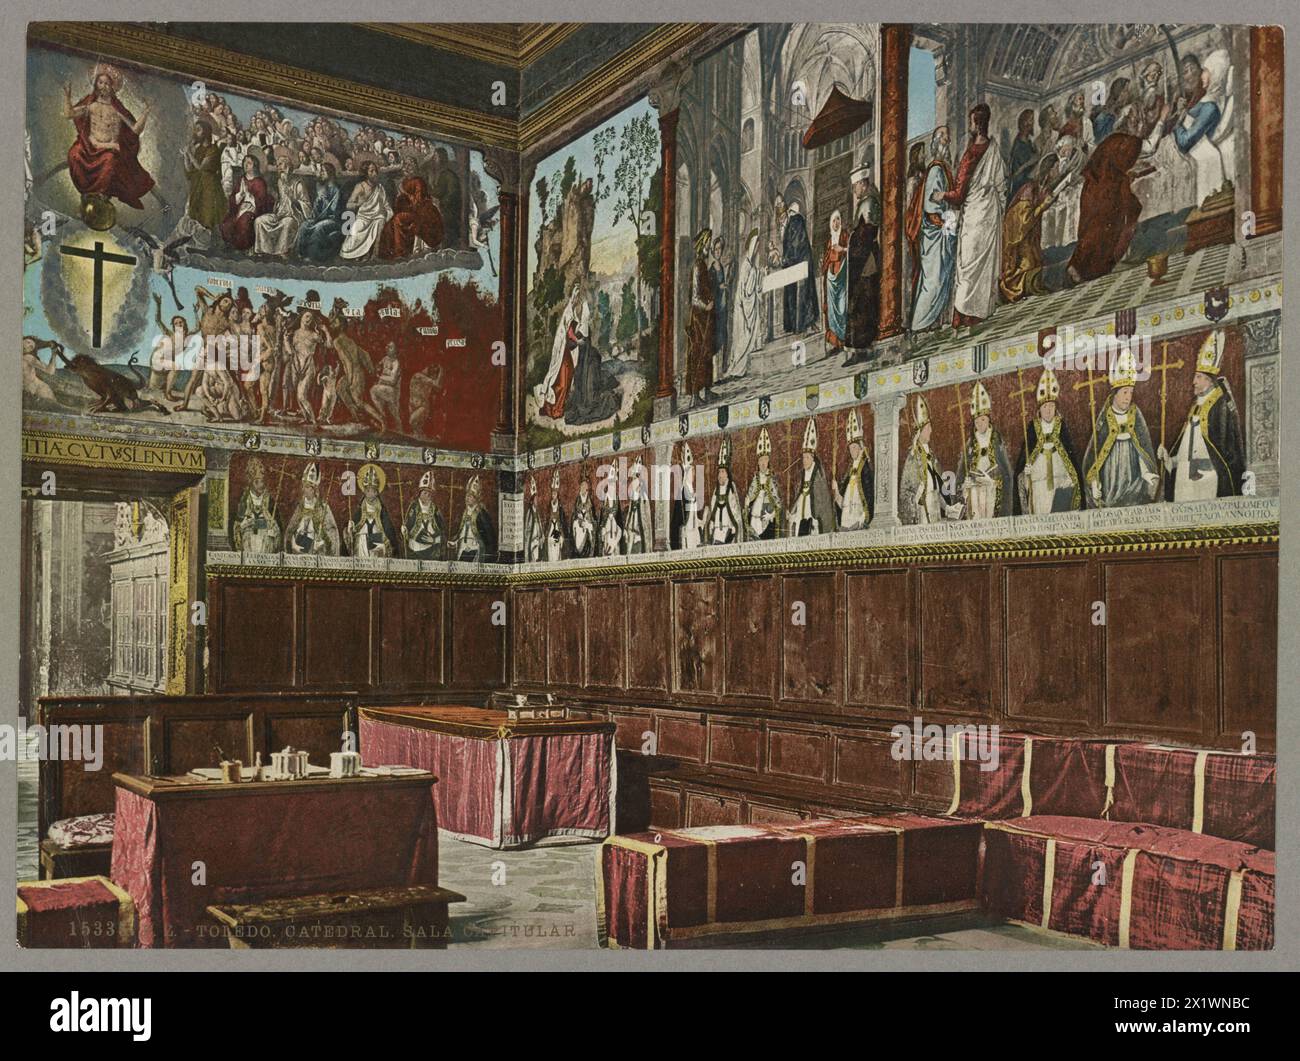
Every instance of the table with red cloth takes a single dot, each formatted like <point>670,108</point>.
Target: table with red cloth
<point>503,782</point>
<point>181,844</point>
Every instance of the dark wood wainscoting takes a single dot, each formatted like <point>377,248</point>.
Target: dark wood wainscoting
<point>784,685</point>
<point>384,639</point>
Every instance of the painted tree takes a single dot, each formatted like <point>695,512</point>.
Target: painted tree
<point>638,160</point>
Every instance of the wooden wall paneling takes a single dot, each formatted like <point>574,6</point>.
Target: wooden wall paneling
<point>1247,593</point>
<point>649,637</point>
<point>812,651</point>
<point>735,743</point>
<point>564,636</point>
<point>749,655</point>
<point>959,640</point>
<point>1155,636</point>
<point>1049,640</point>
<point>256,644</point>
<point>190,740</point>
<point>932,783</point>
<point>681,735</point>
<point>799,752</point>
<point>697,617</point>
<point>879,624</point>
<point>666,810</point>
<point>605,623</point>
<point>477,643</point>
<point>708,808</point>
<point>630,729</point>
<point>865,763</point>
<point>408,637</point>
<point>528,636</point>
<point>335,635</point>
<point>759,812</point>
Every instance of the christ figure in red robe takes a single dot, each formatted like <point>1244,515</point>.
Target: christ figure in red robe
<point>105,158</point>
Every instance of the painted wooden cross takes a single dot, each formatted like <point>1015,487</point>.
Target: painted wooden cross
<point>99,256</point>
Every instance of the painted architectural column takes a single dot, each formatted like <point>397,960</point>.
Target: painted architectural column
<point>887,413</point>
<point>666,98</point>
<point>503,167</point>
<point>1262,335</point>
<point>1266,121</point>
<point>895,42</point>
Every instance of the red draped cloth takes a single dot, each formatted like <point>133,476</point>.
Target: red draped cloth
<point>675,885</point>
<point>265,845</point>
<point>1181,894</point>
<point>414,214</point>
<point>563,378</point>
<point>506,792</point>
<point>103,171</point>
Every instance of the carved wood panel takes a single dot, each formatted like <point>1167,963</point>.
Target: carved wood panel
<point>1153,630</point>
<point>959,632</point>
<point>251,650</point>
<point>564,636</point>
<point>409,637</point>
<point>749,655</point>
<point>1050,639</point>
<point>735,743</point>
<point>605,623</point>
<point>649,643</point>
<point>879,626</point>
<point>529,641</point>
<point>336,637</point>
<point>810,649</point>
<point>1248,600</point>
<point>477,638</point>
<point>698,618</point>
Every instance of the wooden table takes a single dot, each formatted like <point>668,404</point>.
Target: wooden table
<point>181,844</point>
<point>503,783</point>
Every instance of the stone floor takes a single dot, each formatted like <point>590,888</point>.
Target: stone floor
<point>545,897</point>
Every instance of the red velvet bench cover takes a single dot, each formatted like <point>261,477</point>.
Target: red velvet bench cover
<point>1128,844</point>
<point>1145,887</point>
<point>75,912</point>
<point>670,887</point>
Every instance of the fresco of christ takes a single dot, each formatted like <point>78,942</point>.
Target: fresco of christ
<point>104,159</point>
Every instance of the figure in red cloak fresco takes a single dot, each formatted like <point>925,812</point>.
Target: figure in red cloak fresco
<point>104,159</point>
<point>415,216</point>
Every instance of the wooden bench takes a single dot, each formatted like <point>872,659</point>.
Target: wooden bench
<point>413,918</point>
<point>163,735</point>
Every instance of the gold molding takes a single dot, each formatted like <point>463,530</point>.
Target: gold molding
<point>513,44</point>
<point>1103,542</point>
<point>294,85</point>
<point>1100,543</point>
<point>86,451</point>
<point>449,579</point>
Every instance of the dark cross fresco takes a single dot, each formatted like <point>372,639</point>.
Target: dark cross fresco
<point>99,256</point>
